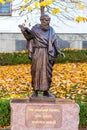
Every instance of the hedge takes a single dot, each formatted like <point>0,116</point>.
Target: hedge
<point>83,114</point>
<point>22,57</point>
<point>4,112</point>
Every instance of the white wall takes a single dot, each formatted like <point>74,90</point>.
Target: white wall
<point>11,42</point>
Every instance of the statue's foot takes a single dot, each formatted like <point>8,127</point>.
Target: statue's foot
<point>46,93</point>
<point>35,94</point>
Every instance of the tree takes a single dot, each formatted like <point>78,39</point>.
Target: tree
<point>63,9</point>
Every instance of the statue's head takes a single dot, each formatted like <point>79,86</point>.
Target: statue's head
<point>45,21</point>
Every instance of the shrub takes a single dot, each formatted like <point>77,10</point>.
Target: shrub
<point>73,56</point>
<point>22,57</point>
<point>4,112</point>
<point>14,58</point>
<point>83,114</point>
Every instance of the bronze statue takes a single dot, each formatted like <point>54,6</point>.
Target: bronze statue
<point>42,45</point>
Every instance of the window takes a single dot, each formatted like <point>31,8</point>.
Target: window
<point>84,44</point>
<point>5,9</point>
<point>63,44</point>
<point>20,45</point>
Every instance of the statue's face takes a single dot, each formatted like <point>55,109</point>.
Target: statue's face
<point>45,21</point>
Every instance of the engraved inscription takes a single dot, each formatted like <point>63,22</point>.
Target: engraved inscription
<point>43,116</point>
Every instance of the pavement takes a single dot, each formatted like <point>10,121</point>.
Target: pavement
<point>78,129</point>
<point>9,129</point>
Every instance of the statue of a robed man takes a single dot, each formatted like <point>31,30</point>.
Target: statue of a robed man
<point>42,45</point>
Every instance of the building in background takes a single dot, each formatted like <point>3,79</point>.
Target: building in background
<point>70,33</point>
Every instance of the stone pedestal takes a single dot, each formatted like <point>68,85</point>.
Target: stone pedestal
<point>62,114</point>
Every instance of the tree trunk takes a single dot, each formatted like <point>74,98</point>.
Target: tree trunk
<point>42,8</point>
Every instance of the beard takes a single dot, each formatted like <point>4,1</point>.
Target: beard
<point>45,27</point>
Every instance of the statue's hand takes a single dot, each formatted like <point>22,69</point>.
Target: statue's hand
<point>61,54</point>
<point>21,27</point>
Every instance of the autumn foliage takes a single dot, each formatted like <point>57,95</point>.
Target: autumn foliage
<point>69,81</point>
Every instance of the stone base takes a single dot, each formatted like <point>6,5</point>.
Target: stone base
<point>62,114</point>
<point>41,99</point>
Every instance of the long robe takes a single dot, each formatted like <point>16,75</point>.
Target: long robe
<point>42,50</point>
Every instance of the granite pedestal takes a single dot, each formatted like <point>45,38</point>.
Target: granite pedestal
<point>62,114</point>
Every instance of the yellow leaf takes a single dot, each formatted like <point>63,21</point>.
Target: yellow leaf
<point>9,0</point>
<point>22,7</point>
<point>56,11</point>
<point>15,96</point>
<point>79,19</point>
<point>43,3</point>
<point>30,8</point>
<point>23,51</point>
<point>2,2</point>
<point>65,8</point>
<point>26,1</point>
<point>36,4</point>
<point>49,2</point>
<point>81,6</point>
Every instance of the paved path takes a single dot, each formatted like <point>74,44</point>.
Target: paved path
<point>79,129</point>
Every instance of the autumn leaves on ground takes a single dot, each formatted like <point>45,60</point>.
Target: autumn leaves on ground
<point>68,81</point>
